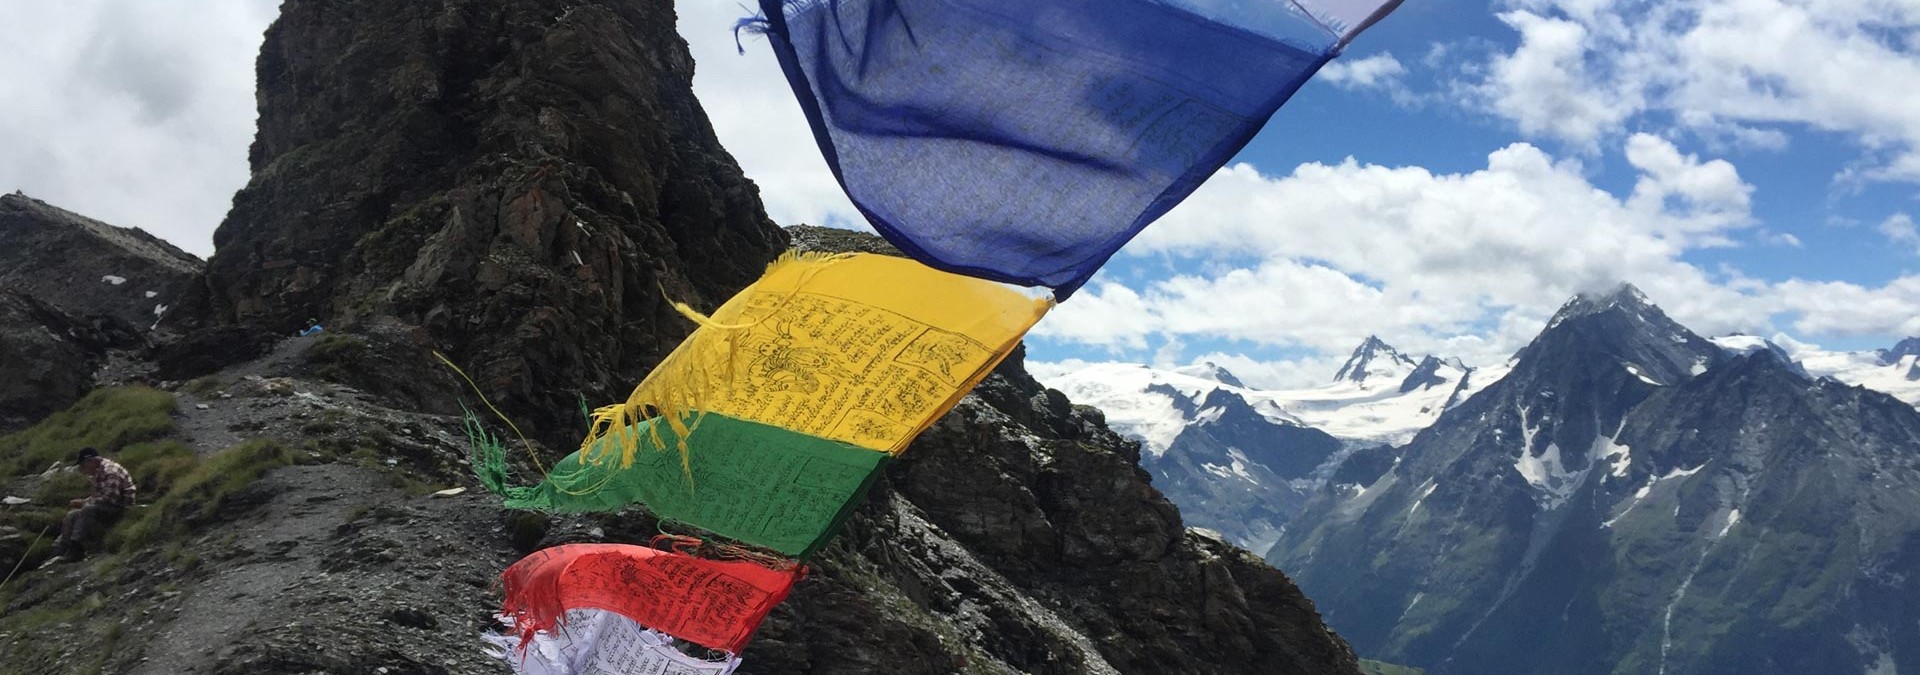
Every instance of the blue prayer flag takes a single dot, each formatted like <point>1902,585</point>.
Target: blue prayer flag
<point>1026,141</point>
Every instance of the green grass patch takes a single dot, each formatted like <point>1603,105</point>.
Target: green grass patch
<point>62,487</point>
<point>109,419</point>
<point>123,422</point>
<point>199,495</point>
<point>68,624</point>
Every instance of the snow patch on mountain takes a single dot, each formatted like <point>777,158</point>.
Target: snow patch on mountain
<point>1431,486</point>
<point>1635,371</point>
<point>1548,474</point>
<point>1619,458</point>
<point>1237,467</point>
<point>1733,518</point>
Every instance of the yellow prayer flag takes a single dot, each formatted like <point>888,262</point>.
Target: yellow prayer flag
<point>860,348</point>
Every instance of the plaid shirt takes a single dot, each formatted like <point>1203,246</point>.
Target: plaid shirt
<point>112,486</point>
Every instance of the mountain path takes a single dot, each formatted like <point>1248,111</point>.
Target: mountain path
<point>277,550</point>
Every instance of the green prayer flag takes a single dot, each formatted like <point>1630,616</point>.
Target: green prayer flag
<point>754,483</point>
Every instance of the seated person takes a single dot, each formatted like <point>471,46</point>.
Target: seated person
<point>113,493</point>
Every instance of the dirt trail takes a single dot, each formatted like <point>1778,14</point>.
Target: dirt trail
<point>332,567</point>
<point>279,548</point>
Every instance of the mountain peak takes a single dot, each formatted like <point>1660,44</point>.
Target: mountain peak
<point>1635,329</point>
<point>1625,297</point>
<point>1208,370</point>
<point>1374,360</point>
<point>1902,349</point>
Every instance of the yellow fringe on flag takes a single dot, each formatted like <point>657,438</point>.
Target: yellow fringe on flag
<point>861,348</point>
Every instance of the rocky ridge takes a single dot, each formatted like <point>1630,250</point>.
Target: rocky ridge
<point>76,296</point>
<point>91,270</point>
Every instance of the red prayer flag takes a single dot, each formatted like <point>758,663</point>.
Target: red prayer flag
<point>714,603</point>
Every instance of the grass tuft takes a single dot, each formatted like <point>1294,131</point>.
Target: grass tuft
<point>200,494</point>
<point>109,419</point>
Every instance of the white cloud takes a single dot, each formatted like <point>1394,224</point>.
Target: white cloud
<point>755,115</point>
<point>1379,71</point>
<point>1710,195</point>
<point>1118,319</point>
<point>1900,230</point>
<point>1547,87</point>
<point>1468,264</point>
<point>1726,69</point>
<point>1844,309</point>
<point>138,113</point>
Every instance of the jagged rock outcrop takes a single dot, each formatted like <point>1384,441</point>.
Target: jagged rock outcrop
<point>1373,360</point>
<point>519,179</point>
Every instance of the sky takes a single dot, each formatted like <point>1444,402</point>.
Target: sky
<point>1458,173</point>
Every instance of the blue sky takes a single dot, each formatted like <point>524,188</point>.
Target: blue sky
<point>1463,169</point>
<point>1808,190</point>
<point>1467,166</point>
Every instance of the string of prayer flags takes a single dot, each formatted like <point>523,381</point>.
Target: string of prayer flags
<point>860,348</point>
<point>994,142</point>
<point>1026,141</point>
<point>754,483</point>
<point>713,603</point>
<point>595,641</point>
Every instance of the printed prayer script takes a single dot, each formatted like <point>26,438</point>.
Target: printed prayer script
<point>864,349</point>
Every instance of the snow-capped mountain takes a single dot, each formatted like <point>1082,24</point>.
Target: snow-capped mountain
<point>1631,498</point>
<point>1242,460</point>
<point>1155,405</point>
<point>1894,371</point>
<point>1378,396</point>
<point>1235,470</point>
<point>1375,361</point>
